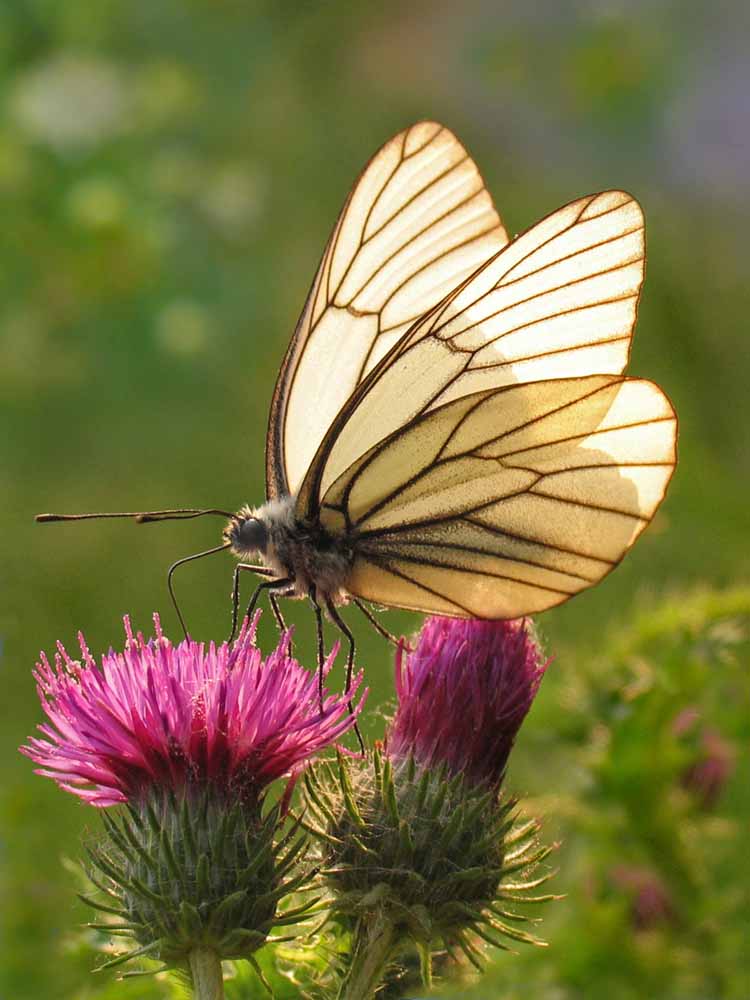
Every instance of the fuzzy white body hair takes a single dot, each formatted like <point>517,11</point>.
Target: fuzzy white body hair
<point>303,553</point>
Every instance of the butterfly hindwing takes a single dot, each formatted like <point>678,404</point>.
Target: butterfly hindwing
<point>507,501</point>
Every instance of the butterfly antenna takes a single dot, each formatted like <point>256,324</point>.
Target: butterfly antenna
<point>181,562</point>
<point>141,517</point>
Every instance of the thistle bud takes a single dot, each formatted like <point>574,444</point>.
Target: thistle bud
<point>186,740</point>
<point>650,900</point>
<point>712,758</point>
<point>420,844</point>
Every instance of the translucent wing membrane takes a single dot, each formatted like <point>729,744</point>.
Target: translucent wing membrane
<point>416,224</point>
<point>508,501</point>
<point>558,301</point>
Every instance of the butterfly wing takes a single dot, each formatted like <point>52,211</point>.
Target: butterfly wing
<point>559,301</point>
<point>416,223</point>
<point>508,501</point>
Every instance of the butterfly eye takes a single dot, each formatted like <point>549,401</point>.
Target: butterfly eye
<point>248,535</point>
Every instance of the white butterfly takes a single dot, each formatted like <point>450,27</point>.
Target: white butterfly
<point>450,430</point>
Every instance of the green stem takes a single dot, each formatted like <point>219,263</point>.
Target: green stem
<point>372,948</point>
<point>205,972</point>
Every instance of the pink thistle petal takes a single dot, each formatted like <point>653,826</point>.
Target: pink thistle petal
<point>159,714</point>
<point>463,694</point>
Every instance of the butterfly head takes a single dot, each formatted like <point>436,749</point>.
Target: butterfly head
<point>247,534</point>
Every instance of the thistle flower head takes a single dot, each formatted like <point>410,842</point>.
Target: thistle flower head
<point>463,694</point>
<point>160,715</point>
<point>420,839</point>
<point>189,737</point>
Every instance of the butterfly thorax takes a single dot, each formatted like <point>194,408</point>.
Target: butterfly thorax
<point>293,549</point>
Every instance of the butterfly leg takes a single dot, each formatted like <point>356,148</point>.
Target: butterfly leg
<point>265,585</point>
<point>273,599</point>
<point>388,636</point>
<point>321,647</point>
<point>261,571</point>
<point>341,625</point>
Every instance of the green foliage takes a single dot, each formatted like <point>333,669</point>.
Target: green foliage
<point>654,870</point>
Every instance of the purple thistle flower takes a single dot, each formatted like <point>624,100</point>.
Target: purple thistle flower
<point>165,716</point>
<point>650,899</point>
<point>463,694</point>
<point>714,758</point>
<point>708,775</point>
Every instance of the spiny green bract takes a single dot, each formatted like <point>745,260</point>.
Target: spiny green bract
<point>434,854</point>
<point>178,873</point>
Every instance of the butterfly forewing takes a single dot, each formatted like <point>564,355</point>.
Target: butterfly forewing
<point>417,222</point>
<point>509,501</point>
<point>558,301</point>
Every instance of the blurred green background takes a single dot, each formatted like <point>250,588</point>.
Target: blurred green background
<point>169,173</point>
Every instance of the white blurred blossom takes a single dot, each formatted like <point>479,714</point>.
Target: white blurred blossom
<point>184,327</point>
<point>71,103</point>
<point>234,197</point>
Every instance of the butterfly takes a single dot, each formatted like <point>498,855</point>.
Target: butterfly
<point>451,431</point>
